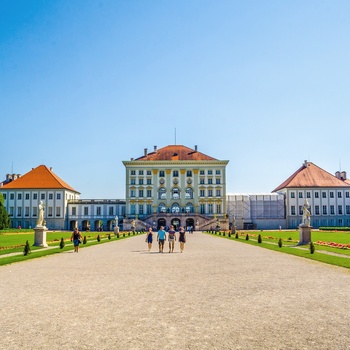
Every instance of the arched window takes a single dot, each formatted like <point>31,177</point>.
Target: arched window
<point>189,208</point>
<point>175,208</point>
<point>161,208</point>
<point>162,193</point>
<point>189,193</point>
<point>175,193</point>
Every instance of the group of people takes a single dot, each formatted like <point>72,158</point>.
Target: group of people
<point>161,238</point>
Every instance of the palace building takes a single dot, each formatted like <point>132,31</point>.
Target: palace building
<point>176,185</point>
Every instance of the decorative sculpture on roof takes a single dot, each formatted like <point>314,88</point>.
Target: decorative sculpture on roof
<point>306,213</point>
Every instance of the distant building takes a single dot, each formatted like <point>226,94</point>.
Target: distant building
<point>176,185</point>
<point>327,195</point>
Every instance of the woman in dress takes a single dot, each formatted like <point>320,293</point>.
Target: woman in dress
<point>76,237</point>
<point>149,238</point>
<point>182,238</point>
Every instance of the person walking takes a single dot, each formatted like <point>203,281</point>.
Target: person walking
<point>149,238</point>
<point>76,237</point>
<point>171,239</point>
<point>182,238</point>
<point>161,238</point>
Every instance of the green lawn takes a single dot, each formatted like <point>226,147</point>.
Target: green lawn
<point>326,254</point>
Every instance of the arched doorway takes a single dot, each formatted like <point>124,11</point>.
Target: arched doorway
<point>161,222</point>
<point>189,224</point>
<point>176,223</point>
<point>73,224</point>
<point>86,225</point>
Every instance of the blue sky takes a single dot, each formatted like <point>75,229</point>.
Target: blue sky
<point>87,84</point>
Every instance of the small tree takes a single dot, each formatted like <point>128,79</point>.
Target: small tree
<point>259,238</point>
<point>62,244</point>
<point>5,221</point>
<point>98,238</point>
<point>312,248</point>
<point>247,237</point>
<point>237,235</point>
<point>84,240</point>
<point>109,236</point>
<point>280,242</point>
<point>26,249</point>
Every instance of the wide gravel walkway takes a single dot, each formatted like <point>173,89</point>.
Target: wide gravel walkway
<point>218,294</point>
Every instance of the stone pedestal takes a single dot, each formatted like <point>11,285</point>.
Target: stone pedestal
<point>116,230</point>
<point>304,234</point>
<point>40,236</point>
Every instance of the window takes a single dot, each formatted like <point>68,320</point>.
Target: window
<point>12,196</point>
<point>58,211</point>
<point>189,193</point>
<point>175,173</point>
<point>317,195</point>
<point>19,196</point>
<point>4,194</point>
<point>35,211</point>
<point>110,211</point>
<point>339,195</point>
<point>201,181</point>
<point>161,173</point>
<point>176,193</point>
<point>141,209</point>
<point>210,172</point>
<point>217,181</point>
<point>300,194</point>
<point>149,193</point>
<point>140,193</point>
<point>300,210</point>
<point>347,208</point>
<point>86,210</point>
<point>132,172</point>
<point>149,172</point>
<point>347,194</point>
<point>201,193</point>
<point>340,209</point>
<point>11,211</point>
<point>317,210</point>
<point>133,181</point>
<point>98,211</point>
<point>332,209</point>
<point>42,196</point>
<point>140,172</point>
<point>149,209</point>
<point>210,181</point>
<point>162,193</point>
<point>19,211</point>
<point>292,210</point>
<point>218,193</point>
<point>189,173</point>
<point>324,209</point>
<point>26,211</point>
<point>218,209</point>
<point>331,194</point>
<point>35,196</point>
<point>217,172</point>
<point>140,181</point>
<point>292,195</point>
<point>50,211</point>
<point>132,193</point>
<point>324,194</point>
<point>58,196</point>
<point>210,208</point>
<point>74,210</point>
<point>210,193</point>
<point>149,181</point>
<point>308,194</point>
<point>201,172</point>
<point>133,209</point>
<point>202,209</point>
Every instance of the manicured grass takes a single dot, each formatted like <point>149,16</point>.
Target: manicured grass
<point>322,253</point>
<point>14,243</point>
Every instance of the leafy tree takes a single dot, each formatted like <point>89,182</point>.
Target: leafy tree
<point>5,221</point>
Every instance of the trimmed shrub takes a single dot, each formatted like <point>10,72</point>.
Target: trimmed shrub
<point>26,249</point>
<point>312,248</point>
<point>109,236</point>
<point>247,237</point>
<point>280,242</point>
<point>117,235</point>
<point>62,244</point>
<point>84,240</point>
<point>237,235</point>
<point>259,238</point>
<point>98,238</point>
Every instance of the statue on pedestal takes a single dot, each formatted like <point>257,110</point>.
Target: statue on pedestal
<point>40,221</point>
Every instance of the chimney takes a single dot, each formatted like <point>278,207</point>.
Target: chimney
<point>155,148</point>
<point>195,148</point>
<point>343,175</point>
<point>50,168</point>
<point>145,152</point>
<point>305,163</point>
<point>131,159</point>
<point>337,174</point>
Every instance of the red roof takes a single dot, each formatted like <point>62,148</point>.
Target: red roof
<point>175,152</point>
<point>310,175</point>
<point>39,178</point>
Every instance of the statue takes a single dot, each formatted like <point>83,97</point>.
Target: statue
<point>116,220</point>
<point>306,213</point>
<point>133,224</point>
<point>40,221</point>
<point>116,228</point>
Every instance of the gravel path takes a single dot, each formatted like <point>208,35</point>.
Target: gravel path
<point>218,294</point>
